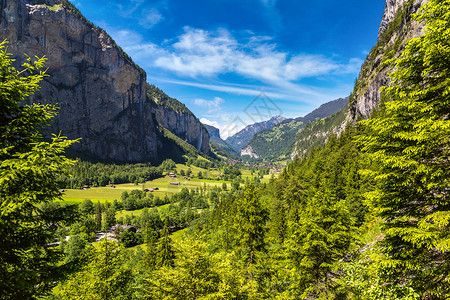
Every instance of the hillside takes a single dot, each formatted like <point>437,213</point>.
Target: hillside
<point>362,212</point>
<point>219,146</point>
<point>240,139</point>
<point>278,142</point>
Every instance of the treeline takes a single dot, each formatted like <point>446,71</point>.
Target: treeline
<point>99,174</point>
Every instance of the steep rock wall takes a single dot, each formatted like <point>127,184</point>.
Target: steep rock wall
<point>395,30</point>
<point>184,125</point>
<point>100,91</point>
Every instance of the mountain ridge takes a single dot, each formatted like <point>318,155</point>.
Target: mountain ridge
<point>395,29</point>
<point>278,142</point>
<point>241,138</point>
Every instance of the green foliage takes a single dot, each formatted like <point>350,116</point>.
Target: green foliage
<point>316,134</point>
<point>157,96</point>
<point>106,276</point>
<point>194,275</point>
<point>87,207</point>
<point>250,225</point>
<point>168,165</point>
<point>99,174</point>
<point>220,147</point>
<point>28,178</point>
<point>175,147</point>
<point>276,143</point>
<point>165,251</point>
<point>408,138</point>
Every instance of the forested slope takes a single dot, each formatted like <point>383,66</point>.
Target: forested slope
<point>364,216</point>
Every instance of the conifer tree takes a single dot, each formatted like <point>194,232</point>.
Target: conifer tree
<point>194,275</point>
<point>151,239</point>
<point>165,252</point>
<point>250,226</point>
<point>105,276</point>
<point>29,168</point>
<point>409,139</point>
<point>98,216</point>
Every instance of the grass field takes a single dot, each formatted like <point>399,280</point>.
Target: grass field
<point>108,194</point>
<point>104,194</point>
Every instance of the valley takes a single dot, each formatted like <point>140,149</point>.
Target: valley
<point>111,188</point>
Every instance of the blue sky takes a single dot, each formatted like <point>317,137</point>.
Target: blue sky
<point>235,62</point>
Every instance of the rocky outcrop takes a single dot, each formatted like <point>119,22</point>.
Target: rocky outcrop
<point>213,131</point>
<point>248,150</point>
<point>395,30</point>
<point>186,126</point>
<point>100,91</point>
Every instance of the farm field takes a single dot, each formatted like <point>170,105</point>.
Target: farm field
<point>109,194</point>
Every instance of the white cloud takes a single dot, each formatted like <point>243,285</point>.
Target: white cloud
<point>200,53</point>
<point>211,105</point>
<point>150,17</point>
<point>147,17</point>
<point>291,91</point>
<point>199,56</point>
<point>204,53</point>
<point>209,122</point>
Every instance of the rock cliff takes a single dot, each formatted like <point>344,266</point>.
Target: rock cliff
<point>100,91</point>
<point>248,150</point>
<point>213,131</point>
<point>396,29</point>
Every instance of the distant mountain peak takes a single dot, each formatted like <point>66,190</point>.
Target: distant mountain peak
<point>240,139</point>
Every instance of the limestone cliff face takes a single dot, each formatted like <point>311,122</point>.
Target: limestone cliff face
<point>395,29</point>
<point>248,150</point>
<point>184,125</point>
<point>100,91</point>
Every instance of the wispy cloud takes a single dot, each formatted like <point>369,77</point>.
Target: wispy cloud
<point>200,57</point>
<point>212,105</point>
<point>146,15</point>
<point>271,14</point>
<point>292,91</point>
<point>150,17</point>
<point>209,53</point>
<point>209,122</point>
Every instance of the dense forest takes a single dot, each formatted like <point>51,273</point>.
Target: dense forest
<point>363,216</point>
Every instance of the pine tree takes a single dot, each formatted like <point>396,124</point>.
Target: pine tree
<point>194,275</point>
<point>165,252</point>
<point>250,226</point>
<point>29,169</point>
<point>105,276</point>
<point>409,139</point>
<point>320,237</point>
<point>98,216</point>
<point>151,238</point>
